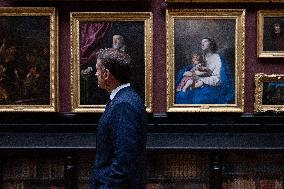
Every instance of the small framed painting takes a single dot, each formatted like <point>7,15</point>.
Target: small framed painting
<point>270,35</point>
<point>269,93</point>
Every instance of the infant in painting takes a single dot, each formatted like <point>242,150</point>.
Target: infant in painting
<point>191,78</point>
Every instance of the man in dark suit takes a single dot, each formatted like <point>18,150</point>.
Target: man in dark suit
<point>120,158</point>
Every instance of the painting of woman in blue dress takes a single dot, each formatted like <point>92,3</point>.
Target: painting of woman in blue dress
<point>213,84</point>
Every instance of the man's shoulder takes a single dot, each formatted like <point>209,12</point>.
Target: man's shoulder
<point>129,96</point>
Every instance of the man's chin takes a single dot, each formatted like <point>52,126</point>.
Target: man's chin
<point>100,87</point>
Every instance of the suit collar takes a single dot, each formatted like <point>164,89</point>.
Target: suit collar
<point>111,102</point>
<point>116,90</point>
<point>123,90</point>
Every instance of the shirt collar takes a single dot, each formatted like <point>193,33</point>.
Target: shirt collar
<point>114,92</point>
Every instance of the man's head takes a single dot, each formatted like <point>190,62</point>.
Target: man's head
<point>117,42</point>
<point>113,68</point>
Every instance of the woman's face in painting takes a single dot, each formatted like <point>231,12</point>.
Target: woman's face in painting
<point>205,44</point>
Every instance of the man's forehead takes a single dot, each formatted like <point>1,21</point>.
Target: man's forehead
<point>117,36</point>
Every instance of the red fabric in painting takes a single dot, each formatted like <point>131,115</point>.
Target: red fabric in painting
<point>91,35</point>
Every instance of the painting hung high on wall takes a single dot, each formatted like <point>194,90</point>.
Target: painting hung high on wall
<point>28,59</point>
<point>270,33</point>
<point>269,93</point>
<point>205,65</point>
<point>90,32</point>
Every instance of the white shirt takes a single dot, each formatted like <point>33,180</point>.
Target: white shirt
<point>114,91</point>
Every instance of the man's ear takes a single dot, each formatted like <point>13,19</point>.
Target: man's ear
<point>106,74</point>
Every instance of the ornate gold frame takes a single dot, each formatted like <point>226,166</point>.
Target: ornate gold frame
<point>236,14</point>
<point>260,24</point>
<point>76,18</point>
<point>260,78</point>
<point>39,11</point>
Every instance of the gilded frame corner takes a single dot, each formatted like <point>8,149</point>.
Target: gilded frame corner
<point>81,17</point>
<point>52,104</point>
<point>274,50</point>
<point>260,79</point>
<point>238,16</point>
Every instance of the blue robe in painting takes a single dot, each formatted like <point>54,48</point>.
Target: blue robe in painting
<point>223,94</point>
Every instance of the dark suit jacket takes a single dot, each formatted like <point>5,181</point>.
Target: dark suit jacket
<point>120,158</point>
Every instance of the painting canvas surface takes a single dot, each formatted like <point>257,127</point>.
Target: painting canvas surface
<point>273,34</point>
<point>24,60</point>
<point>98,35</point>
<point>188,37</point>
<point>273,93</point>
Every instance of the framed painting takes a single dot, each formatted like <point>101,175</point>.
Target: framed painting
<point>28,59</point>
<point>91,31</point>
<point>270,35</point>
<point>269,93</point>
<point>205,62</point>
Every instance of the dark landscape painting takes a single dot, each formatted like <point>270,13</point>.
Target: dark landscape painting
<point>273,93</point>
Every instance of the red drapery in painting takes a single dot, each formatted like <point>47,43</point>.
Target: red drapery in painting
<point>91,35</point>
